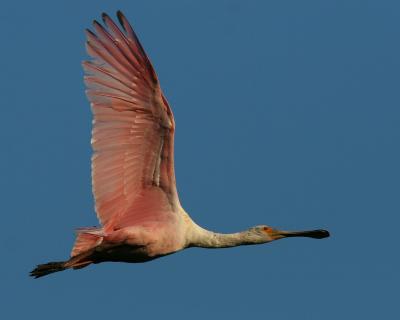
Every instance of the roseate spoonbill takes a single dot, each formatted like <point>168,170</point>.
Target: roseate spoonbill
<point>133,164</point>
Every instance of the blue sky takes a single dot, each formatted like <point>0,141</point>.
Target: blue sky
<point>287,114</point>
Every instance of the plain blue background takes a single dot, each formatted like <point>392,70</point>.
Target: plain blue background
<point>287,114</point>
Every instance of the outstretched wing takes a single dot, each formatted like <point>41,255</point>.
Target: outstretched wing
<point>133,129</point>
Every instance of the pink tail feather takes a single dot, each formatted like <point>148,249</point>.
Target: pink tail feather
<point>86,239</point>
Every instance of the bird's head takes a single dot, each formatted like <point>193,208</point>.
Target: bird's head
<point>265,233</point>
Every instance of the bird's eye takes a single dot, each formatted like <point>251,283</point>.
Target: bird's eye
<point>265,228</point>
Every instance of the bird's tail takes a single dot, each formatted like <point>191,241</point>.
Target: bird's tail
<point>47,268</point>
<point>81,255</point>
<point>77,262</point>
<point>86,239</point>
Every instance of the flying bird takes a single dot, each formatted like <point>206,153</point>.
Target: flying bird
<point>133,176</point>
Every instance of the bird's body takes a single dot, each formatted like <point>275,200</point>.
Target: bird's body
<point>133,174</point>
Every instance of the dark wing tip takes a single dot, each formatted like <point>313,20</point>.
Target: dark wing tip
<point>121,18</point>
<point>104,15</point>
<point>88,31</point>
<point>96,23</point>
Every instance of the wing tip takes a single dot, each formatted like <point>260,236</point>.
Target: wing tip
<point>104,16</point>
<point>97,24</point>
<point>121,19</point>
<point>90,33</point>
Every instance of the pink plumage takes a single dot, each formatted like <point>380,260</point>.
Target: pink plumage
<point>133,176</point>
<point>131,128</point>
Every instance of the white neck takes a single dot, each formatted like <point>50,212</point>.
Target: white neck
<point>199,237</point>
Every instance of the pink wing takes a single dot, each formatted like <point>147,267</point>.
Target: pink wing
<point>133,130</point>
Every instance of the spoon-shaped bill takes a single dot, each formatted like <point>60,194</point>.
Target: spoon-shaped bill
<point>316,234</point>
